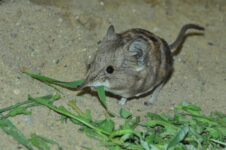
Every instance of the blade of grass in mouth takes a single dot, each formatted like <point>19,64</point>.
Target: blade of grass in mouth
<point>73,84</point>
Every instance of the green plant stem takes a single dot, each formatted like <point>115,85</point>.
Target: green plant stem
<point>22,103</point>
<point>15,106</point>
<point>9,128</point>
<point>70,115</point>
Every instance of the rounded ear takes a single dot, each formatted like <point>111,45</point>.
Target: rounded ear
<point>139,49</point>
<point>110,35</point>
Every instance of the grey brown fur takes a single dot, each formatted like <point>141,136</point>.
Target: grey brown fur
<point>133,63</point>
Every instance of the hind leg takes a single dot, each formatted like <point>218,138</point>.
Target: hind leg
<point>154,95</point>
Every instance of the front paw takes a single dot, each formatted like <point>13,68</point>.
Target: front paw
<point>122,101</point>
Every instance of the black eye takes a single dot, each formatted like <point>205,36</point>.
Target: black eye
<point>110,69</point>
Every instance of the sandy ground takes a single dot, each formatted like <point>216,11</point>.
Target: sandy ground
<point>55,38</point>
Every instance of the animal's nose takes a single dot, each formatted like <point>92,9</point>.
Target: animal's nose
<point>79,86</point>
<point>83,85</point>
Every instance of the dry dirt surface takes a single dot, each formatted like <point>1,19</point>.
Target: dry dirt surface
<point>55,38</point>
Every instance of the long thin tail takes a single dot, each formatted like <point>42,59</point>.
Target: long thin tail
<point>181,35</point>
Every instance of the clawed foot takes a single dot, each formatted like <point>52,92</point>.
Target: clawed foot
<point>122,101</point>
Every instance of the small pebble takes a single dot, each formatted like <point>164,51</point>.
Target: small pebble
<point>56,61</point>
<point>179,59</point>
<point>210,44</point>
<point>13,35</point>
<point>16,91</point>
<point>134,10</point>
<point>27,119</point>
<point>102,3</point>
<point>60,20</point>
<point>155,29</point>
<point>185,77</point>
<point>200,68</point>
<point>84,49</point>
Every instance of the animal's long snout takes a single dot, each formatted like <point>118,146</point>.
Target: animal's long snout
<point>88,82</point>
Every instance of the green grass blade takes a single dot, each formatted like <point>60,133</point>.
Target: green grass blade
<point>132,146</point>
<point>170,128</point>
<point>153,147</point>
<point>47,140</point>
<point>39,143</point>
<point>125,114</point>
<point>219,142</point>
<point>102,96</point>
<point>179,137</point>
<point>145,145</point>
<point>72,84</point>
<point>87,148</point>
<point>103,100</point>
<point>18,111</point>
<point>122,132</point>
<point>188,107</point>
<point>23,103</point>
<point>9,128</point>
<point>106,125</point>
<point>42,142</point>
<point>70,115</point>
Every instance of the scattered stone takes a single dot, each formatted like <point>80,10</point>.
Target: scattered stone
<point>13,35</point>
<point>16,91</point>
<point>210,44</point>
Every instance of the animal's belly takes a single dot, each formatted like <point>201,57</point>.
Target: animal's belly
<point>122,93</point>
